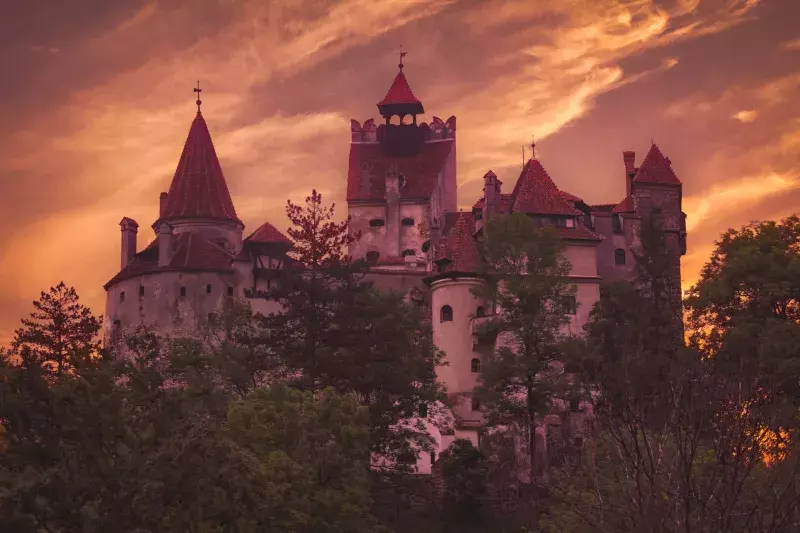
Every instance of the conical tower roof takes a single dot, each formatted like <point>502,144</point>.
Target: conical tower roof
<point>198,189</point>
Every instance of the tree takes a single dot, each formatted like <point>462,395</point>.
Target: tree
<point>336,330</point>
<point>463,469</point>
<point>526,275</point>
<point>60,333</point>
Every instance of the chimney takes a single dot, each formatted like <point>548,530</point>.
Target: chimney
<point>629,158</point>
<point>162,204</point>
<point>129,229</point>
<point>491,196</point>
<point>393,179</point>
<point>164,232</point>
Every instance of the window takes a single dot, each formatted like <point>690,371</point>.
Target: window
<point>423,410</point>
<point>373,256</point>
<point>446,314</point>
<point>141,291</point>
<point>208,289</point>
<point>565,222</point>
<point>476,404</point>
<point>122,297</point>
<point>426,246</point>
<point>480,312</point>
<point>574,404</point>
<point>407,221</point>
<point>408,252</point>
<point>230,291</point>
<point>619,256</point>
<point>571,303</point>
<point>616,224</point>
<point>117,323</point>
<point>433,457</point>
<point>656,210</point>
<point>183,291</point>
<point>376,223</point>
<point>475,365</point>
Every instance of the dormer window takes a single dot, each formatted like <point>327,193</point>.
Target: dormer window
<point>407,222</point>
<point>376,223</point>
<point>565,222</point>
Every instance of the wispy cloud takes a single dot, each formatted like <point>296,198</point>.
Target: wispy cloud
<point>748,115</point>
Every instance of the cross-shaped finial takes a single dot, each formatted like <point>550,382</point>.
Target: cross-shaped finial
<point>198,90</point>
<point>401,57</point>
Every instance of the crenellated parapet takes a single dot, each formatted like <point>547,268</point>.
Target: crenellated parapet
<point>436,130</point>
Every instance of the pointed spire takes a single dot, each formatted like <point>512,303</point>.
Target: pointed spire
<point>536,194</point>
<point>656,168</point>
<point>198,189</point>
<point>400,99</point>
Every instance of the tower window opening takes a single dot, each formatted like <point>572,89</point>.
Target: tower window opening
<point>122,297</point>
<point>407,221</point>
<point>446,314</point>
<point>376,223</point>
<point>230,291</point>
<point>476,404</point>
<point>208,289</point>
<point>480,312</point>
<point>616,224</point>
<point>141,291</point>
<point>571,304</point>
<point>475,365</point>
<point>433,457</point>
<point>619,256</point>
<point>183,291</point>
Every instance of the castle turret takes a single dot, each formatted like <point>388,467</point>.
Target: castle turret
<point>404,137</point>
<point>491,195</point>
<point>629,159</point>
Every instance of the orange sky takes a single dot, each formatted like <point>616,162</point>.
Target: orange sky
<point>96,104</point>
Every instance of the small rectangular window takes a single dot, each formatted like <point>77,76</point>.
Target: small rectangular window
<point>208,289</point>
<point>230,291</point>
<point>183,291</point>
<point>141,291</point>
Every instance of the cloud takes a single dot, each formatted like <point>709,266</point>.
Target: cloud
<point>746,115</point>
<point>792,45</point>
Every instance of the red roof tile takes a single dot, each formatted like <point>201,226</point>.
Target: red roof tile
<point>656,169</point>
<point>578,233</point>
<point>570,197</point>
<point>625,206</point>
<point>400,92</point>
<point>505,200</point>
<point>460,249</point>
<point>267,233</point>
<point>368,166</point>
<point>198,188</point>
<point>190,252</point>
<point>535,193</point>
<point>602,208</point>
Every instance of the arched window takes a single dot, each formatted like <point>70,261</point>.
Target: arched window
<point>475,365</point>
<point>122,297</point>
<point>183,291</point>
<point>407,222</point>
<point>376,223</point>
<point>480,312</point>
<point>619,256</point>
<point>373,256</point>
<point>446,314</point>
<point>476,404</point>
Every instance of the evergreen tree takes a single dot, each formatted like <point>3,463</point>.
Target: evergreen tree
<point>526,275</point>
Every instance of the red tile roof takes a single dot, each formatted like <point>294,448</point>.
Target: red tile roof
<point>535,193</point>
<point>190,252</point>
<point>505,200</point>
<point>198,188</point>
<point>656,169</point>
<point>368,165</point>
<point>578,233</point>
<point>400,92</point>
<point>570,197</point>
<point>625,206</point>
<point>267,233</point>
<point>460,249</point>
<point>602,208</point>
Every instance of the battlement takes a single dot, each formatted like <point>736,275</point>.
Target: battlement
<point>369,132</point>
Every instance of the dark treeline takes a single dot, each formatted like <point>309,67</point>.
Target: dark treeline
<point>270,423</point>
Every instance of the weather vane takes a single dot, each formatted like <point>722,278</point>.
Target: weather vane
<point>198,90</point>
<point>401,57</point>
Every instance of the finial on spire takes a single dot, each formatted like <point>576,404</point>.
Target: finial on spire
<point>533,147</point>
<point>198,90</point>
<point>401,57</point>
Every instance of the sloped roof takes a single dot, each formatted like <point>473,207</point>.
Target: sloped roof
<point>602,208</point>
<point>570,197</point>
<point>366,176</point>
<point>505,201</point>
<point>268,234</point>
<point>400,92</point>
<point>656,169</point>
<point>625,206</point>
<point>198,189</point>
<point>535,193</point>
<point>460,249</point>
<point>190,252</point>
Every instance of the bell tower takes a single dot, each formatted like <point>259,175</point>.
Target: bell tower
<point>399,108</point>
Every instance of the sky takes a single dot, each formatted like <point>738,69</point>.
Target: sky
<point>97,100</point>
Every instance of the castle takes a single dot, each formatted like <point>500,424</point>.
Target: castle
<point>402,197</point>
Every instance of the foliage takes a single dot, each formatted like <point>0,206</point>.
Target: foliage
<point>526,275</point>
<point>463,470</point>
